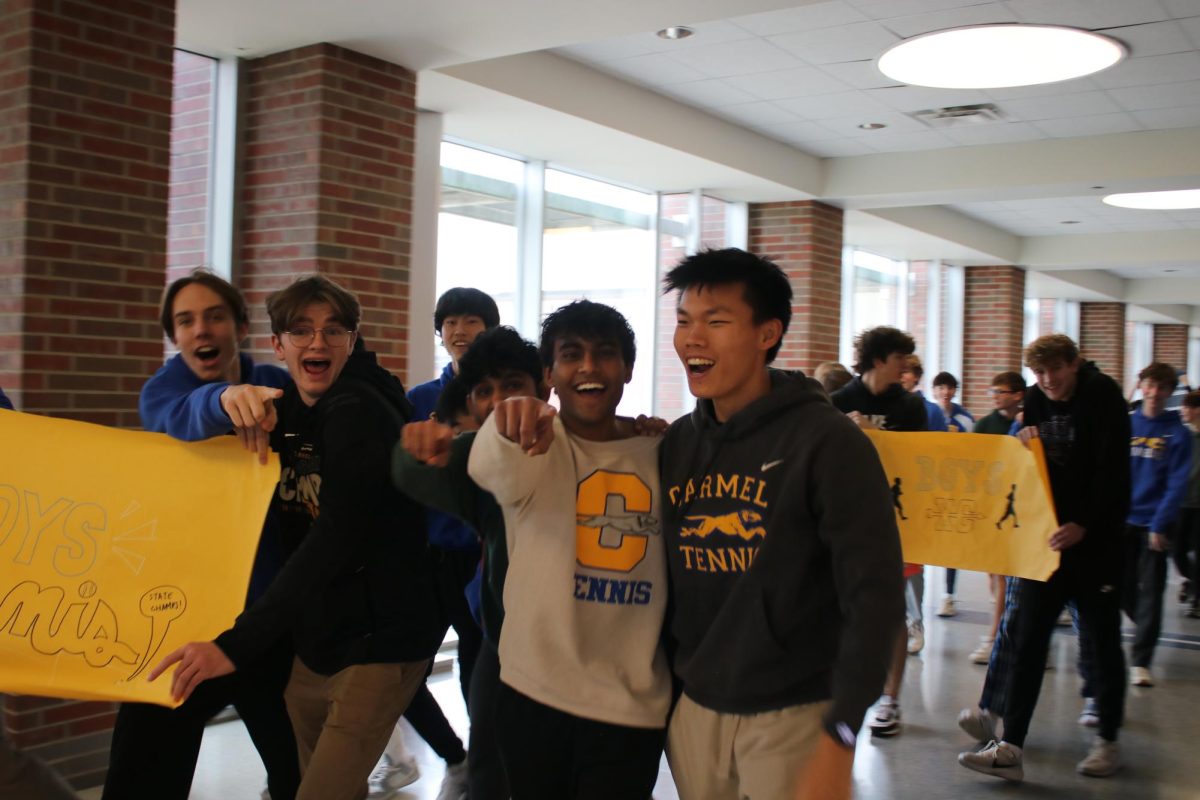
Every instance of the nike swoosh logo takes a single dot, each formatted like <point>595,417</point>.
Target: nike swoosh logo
<point>771,464</point>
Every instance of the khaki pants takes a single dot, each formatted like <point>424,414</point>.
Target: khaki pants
<point>715,756</point>
<point>343,722</point>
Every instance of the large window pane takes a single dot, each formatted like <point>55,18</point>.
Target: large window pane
<point>877,288</point>
<point>598,243</point>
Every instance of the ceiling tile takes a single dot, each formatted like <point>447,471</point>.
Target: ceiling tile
<point>737,58</point>
<point>863,40</point>
<point>788,83</point>
<point>759,114</point>
<point>708,34</point>
<point>1089,126</point>
<point>916,24</point>
<point>802,18</point>
<point>713,93</point>
<point>1159,118</point>
<point>827,106</point>
<point>993,133</point>
<point>1181,8</point>
<point>836,148</point>
<point>1044,89</point>
<point>904,142</point>
<point>895,121</point>
<point>920,98</point>
<point>1081,104</point>
<point>655,69</point>
<point>885,9</point>
<point>1088,14</point>
<point>1172,68</point>
<point>1167,95</point>
<point>1191,27</point>
<point>800,131</point>
<point>859,74</point>
<point>1153,39</point>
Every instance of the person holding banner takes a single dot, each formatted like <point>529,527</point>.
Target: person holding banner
<point>357,594</point>
<point>879,398</point>
<point>154,749</point>
<point>1080,416</point>
<point>5,403</point>
<point>778,664</point>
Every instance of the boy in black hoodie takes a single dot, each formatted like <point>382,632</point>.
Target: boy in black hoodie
<point>356,594</point>
<point>785,576</point>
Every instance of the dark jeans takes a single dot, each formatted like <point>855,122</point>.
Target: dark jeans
<point>1142,593</point>
<point>951,580</point>
<point>1100,623</point>
<point>154,749</point>
<point>486,778</point>
<point>994,696</point>
<point>453,570</point>
<point>1185,549</point>
<point>552,755</point>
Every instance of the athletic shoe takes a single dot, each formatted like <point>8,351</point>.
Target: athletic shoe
<point>1102,760</point>
<point>454,785</point>
<point>1140,676</point>
<point>978,723</point>
<point>983,653</point>
<point>1090,716</point>
<point>947,609</point>
<point>389,777</point>
<point>886,721</point>
<point>999,758</point>
<point>916,638</point>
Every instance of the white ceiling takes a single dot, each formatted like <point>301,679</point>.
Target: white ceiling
<point>764,103</point>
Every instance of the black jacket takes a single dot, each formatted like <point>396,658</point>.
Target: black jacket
<point>358,588</point>
<point>894,410</point>
<point>784,557</point>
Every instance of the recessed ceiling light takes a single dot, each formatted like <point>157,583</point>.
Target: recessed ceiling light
<point>1069,222</point>
<point>675,32</point>
<point>993,56</point>
<point>1182,198</point>
<point>872,126</point>
<point>1170,270</point>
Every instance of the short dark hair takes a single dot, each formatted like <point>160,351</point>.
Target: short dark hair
<point>1192,399</point>
<point>464,300</point>
<point>834,377</point>
<point>496,351</point>
<point>1013,381</point>
<point>587,320</point>
<point>879,343</point>
<point>1053,348</point>
<point>765,287</point>
<point>945,379</point>
<point>210,280</point>
<point>285,305</point>
<point>451,403</point>
<point>1161,373</point>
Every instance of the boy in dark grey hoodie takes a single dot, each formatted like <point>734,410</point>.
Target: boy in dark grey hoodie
<point>783,552</point>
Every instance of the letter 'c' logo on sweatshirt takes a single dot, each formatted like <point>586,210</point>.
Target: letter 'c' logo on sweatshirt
<point>620,503</point>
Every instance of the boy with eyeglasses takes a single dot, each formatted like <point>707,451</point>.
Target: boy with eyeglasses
<point>1008,394</point>
<point>356,594</point>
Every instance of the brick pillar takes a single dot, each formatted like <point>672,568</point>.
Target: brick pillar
<point>85,104</point>
<point>994,324</point>
<point>1102,337</point>
<point>804,238</point>
<point>328,185</point>
<point>191,163</point>
<point>1171,346</point>
<point>1046,315</point>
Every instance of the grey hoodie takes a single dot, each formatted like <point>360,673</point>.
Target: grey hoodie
<point>784,557</point>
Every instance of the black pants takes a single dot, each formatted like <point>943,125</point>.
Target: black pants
<point>453,570</point>
<point>951,579</point>
<point>486,778</point>
<point>1142,593</point>
<point>552,755</point>
<point>154,749</point>
<point>1185,549</point>
<point>1100,622</point>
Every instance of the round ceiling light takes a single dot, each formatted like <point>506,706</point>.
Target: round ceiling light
<point>675,32</point>
<point>1162,201</point>
<point>994,56</point>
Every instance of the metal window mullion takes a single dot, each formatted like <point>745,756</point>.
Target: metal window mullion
<point>933,316</point>
<point>222,178</point>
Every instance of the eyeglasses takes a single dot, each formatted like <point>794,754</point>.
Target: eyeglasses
<point>334,336</point>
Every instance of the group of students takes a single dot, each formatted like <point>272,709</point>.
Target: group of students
<point>714,587</point>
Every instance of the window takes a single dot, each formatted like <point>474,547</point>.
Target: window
<point>875,292</point>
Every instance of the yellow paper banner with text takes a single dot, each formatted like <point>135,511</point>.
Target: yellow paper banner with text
<point>116,547</point>
<point>971,501</point>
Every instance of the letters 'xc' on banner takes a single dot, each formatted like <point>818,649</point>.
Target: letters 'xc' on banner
<point>116,547</point>
<point>971,501</point>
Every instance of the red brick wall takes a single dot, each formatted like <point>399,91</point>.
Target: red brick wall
<point>1171,346</point>
<point>1046,309</point>
<point>993,326</point>
<point>328,185</point>
<point>805,239</point>
<point>85,101</point>
<point>191,163</point>
<point>918,307</point>
<point>1102,337</point>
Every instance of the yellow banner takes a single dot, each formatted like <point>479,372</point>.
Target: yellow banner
<point>971,500</point>
<point>116,547</point>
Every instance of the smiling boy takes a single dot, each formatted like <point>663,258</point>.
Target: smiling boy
<point>785,574</point>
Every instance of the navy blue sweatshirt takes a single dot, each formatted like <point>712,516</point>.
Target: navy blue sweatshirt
<point>1160,458</point>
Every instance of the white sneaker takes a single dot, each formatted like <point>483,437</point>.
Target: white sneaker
<point>390,777</point>
<point>983,653</point>
<point>947,608</point>
<point>999,758</point>
<point>1140,676</point>
<point>1090,716</point>
<point>1102,760</point>
<point>886,721</point>
<point>916,638</point>
<point>978,723</point>
<point>454,785</point>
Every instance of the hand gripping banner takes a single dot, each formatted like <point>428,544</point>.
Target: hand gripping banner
<point>116,547</point>
<point>971,501</point>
